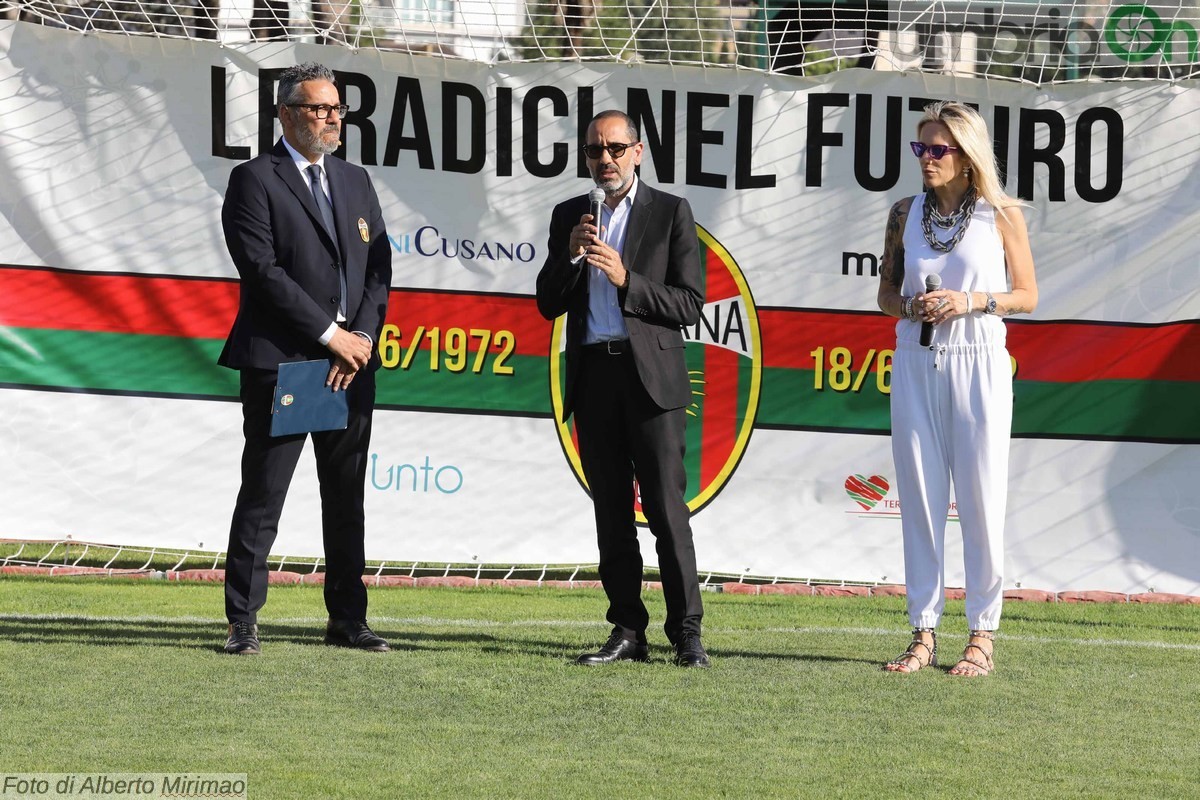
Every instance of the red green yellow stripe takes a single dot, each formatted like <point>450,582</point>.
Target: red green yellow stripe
<point>160,335</point>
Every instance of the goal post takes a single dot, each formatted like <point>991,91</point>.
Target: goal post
<point>117,290</point>
<point>1033,41</point>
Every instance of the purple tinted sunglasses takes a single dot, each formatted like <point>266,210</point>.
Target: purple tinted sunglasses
<point>936,151</point>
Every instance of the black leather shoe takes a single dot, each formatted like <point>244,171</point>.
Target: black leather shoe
<point>344,633</point>
<point>689,652</point>
<point>616,649</point>
<point>243,639</point>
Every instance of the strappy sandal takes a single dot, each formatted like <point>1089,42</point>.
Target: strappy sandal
<point>979,667</point>
<point>905,661</point>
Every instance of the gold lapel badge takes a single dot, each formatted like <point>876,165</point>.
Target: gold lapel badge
<point>363,231</point>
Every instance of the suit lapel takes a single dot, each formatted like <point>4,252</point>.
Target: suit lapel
<point>639,221</point>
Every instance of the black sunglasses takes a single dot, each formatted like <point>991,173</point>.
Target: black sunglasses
<point>936,151</point>
<point>322,111</point>
<point>616,150</point>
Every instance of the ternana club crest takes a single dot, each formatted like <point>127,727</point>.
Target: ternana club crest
<point>724,360</point>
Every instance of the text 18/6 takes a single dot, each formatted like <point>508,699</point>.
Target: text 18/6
<point>840,373</point>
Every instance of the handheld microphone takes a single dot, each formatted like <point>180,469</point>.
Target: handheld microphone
<point>932,284</point>
<point>595,204</point>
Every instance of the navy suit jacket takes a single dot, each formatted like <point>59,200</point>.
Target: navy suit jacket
<point>288,264</point>
<point>665,292</point>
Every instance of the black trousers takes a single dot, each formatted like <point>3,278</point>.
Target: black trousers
<point>623,434</point>
<point>268,464</point>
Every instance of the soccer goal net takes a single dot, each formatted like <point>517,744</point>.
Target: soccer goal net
<point>1036,41</point>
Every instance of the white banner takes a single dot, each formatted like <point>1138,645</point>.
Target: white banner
<point>116,292</point>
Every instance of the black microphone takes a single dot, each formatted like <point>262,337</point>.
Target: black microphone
<point>932,284</point>
<point>596,203</point>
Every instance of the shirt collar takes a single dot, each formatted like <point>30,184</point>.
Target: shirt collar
<point>300,161</point>
<point>633,188</point>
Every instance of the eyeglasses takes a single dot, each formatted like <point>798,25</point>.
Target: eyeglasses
<point>321,111</point>
<point>936,151</point>
<point>616,149</point>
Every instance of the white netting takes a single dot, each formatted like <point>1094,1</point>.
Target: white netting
<point>70,558</point>
<point>1030,40</point>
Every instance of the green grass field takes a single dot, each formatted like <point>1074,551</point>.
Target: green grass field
<point>479,698</point>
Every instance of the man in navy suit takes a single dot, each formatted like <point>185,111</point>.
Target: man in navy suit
<point>306,233</point>
<point>627,283</point>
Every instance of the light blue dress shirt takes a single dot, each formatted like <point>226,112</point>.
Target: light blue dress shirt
<point>604,320</point>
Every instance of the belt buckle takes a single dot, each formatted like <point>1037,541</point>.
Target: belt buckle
<point>608,347</point>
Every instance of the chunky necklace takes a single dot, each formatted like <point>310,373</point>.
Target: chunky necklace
<point>960,217</point>
<point>947,221</point>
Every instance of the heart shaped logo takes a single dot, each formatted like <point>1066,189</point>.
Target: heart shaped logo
<point>867,491</point>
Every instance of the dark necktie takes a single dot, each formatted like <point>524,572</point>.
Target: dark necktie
<point>326,209</point>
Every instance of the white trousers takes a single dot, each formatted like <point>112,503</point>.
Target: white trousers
<point>952,420</point>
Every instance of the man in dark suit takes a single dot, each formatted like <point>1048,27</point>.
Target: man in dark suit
<point>306,233</point>
<point>627,283</point>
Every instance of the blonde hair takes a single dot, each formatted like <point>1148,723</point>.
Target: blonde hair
<point>970,133</point>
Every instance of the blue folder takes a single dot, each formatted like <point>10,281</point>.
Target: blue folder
<point>303,403</point>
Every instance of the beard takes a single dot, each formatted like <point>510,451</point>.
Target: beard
<point>324,142</point>
<point>613,183</point>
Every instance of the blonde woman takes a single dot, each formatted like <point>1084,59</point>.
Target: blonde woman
<point>952,400</point>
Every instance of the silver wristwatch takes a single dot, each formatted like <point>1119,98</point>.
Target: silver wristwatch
<point>990,306</point>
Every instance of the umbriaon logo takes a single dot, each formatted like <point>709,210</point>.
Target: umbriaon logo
<point>724,360</point>
<point>1136,32</point>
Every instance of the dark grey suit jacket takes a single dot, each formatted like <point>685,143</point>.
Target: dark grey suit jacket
<point>289,265</point>
<point>665,292</point>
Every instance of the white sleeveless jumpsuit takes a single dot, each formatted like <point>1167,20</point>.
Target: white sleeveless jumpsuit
<point>951,420</point>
